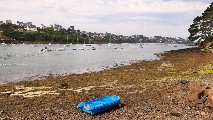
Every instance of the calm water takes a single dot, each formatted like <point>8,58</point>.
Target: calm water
<point>20,62</point>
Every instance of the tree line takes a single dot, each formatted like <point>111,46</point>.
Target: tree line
<point>57,34</point>
<point>46,34</point>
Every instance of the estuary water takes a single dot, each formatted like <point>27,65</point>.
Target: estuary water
<point>26,62</point>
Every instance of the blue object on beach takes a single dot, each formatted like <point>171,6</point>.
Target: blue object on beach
<point>99,105</point>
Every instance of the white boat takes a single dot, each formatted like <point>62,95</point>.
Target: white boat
<point>3,43</point>
<point>81,48</point>
<point>77,42</point>
<point>60,49</point>
<point>93,48</point>
<point>109,44</point>
<point>67,45</point>
<point>35,45</point>
<point>141,46</point>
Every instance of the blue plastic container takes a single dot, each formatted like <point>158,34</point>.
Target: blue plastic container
<point>99,105</point>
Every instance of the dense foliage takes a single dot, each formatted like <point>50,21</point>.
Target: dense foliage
<point>57,34</point>
<point>48,34</point>
<point>202,28</point>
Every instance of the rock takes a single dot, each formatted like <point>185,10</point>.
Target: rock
<point>201,95</point>
<point>197,113</point>
<point>196,91</point>
<point>202,113</point>
<point>6,93</point>
<point>202,50</point>
<point>176,114</point>
<point>197,88</point>
<point>2,112</point>
<point>64,85</point>
<point>5,118</point>
<point>208,94</point>
<point>183,81</point>
<point>193,97</point>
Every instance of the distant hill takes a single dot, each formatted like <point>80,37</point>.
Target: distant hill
<point>27,32</point>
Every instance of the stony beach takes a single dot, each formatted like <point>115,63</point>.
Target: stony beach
<point>177,86</point>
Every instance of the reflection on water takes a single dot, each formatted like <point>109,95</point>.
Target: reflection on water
<point>18,62</point>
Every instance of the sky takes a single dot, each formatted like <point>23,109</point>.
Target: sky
<point>170,18</point>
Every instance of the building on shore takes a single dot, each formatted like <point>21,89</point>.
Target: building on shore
<point>31,28</point>
<point>1,22</point>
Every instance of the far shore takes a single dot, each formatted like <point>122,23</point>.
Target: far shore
<point>27,42</point>
<point>45,42</point>
<point>156,89</point>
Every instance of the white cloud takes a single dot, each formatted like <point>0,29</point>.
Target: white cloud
<point>119,16</point>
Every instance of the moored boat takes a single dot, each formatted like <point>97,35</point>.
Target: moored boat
<point>93,48</point>
<point>60,49</point>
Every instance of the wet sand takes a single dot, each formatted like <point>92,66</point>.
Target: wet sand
<point>149,90</point>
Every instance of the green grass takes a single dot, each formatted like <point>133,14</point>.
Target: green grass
<point>208,69</point>
<point>179,77</point>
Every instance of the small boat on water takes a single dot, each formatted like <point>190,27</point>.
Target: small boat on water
<point>46,49</point>
<point>81,48</point>
<point>60,49</point>
<point>93,48</point>
<point>99,105</point>
<point>67,45</point>
<point>3,43</point>
<point>35,45</point>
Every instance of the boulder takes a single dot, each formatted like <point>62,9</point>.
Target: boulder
<point>201,95</point>
<point>208,94</point>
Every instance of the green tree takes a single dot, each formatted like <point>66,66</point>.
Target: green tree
<point>202,28</point>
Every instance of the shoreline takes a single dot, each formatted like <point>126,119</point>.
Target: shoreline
<point>149,90</point>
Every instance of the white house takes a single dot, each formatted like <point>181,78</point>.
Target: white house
<point>31,28</point>
<point>1,22</point>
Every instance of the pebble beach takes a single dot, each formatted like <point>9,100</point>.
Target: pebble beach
<point>156,89</point>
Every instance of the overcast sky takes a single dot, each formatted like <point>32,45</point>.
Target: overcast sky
<point>127,17</point>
